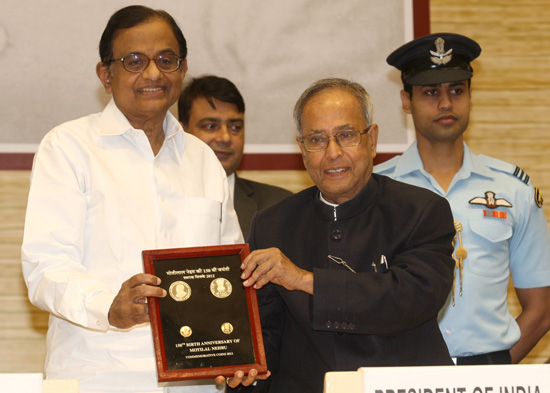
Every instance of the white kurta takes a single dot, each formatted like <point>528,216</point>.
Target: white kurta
<point>98,197</point>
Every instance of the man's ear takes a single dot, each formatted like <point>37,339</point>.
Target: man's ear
<point>104,74</point>
<point>373,135</point>
<point>406,101</point>
<point>183,68</point>
<point>301,145</point>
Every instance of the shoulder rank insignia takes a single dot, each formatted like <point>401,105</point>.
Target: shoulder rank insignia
<point>524,177</point>
<point>538,197</point>
<point>490,201</point>
<point>441,57</point>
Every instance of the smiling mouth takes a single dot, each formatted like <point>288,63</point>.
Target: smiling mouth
<point>150,89</point>
<point>339,170</point>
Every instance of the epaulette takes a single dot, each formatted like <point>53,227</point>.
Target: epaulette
<point>506,167</point>
<point>520,174</point>
<point>513,170</point>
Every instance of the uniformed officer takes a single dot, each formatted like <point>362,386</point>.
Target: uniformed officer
<point>501,228</point>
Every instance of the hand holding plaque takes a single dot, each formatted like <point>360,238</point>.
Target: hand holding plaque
<point>209,324</point>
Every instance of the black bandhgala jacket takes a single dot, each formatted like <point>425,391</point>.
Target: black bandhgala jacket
<point>398,240</point>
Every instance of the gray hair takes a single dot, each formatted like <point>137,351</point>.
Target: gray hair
<point>358,91</point>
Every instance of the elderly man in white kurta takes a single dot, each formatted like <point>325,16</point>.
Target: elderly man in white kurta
<point>104,188</point>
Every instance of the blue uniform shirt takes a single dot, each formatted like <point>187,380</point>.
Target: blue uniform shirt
<point>504,232</point>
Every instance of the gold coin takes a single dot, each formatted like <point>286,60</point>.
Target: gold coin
<point>221,288</point>
<point>227,328</point>
<point>186,331</point>
<point>179,291</point>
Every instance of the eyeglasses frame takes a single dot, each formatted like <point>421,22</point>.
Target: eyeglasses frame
<point>361,133</point>
<point>180,61</point>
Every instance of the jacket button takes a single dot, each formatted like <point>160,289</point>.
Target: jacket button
<point>337,234</point>
<point>351,326</point>
<point>344,325</point>
<point>328,324</point>
<point>337,325</point>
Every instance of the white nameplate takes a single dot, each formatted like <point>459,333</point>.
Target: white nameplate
<point>457,379</point>
<point>28,383</point>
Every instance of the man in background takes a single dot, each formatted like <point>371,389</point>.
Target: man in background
<point>212,109</point>
<point>499,221</point>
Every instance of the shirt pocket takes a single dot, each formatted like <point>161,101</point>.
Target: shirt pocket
<point>201,221</point>
<point>489,249</point>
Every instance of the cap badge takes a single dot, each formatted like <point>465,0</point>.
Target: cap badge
<point>441,57</point>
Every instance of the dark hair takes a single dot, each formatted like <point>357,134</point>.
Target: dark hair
<point>209,87</point>
<point>322,85</point>
<point>131,16</point>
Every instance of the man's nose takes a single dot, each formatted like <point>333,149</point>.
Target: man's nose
<point>152,71</point>
<point>445,101</point>
<point>334,149</point>
<point>223,134</point>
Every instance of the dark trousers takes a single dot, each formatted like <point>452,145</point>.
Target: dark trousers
<point>499,357</point>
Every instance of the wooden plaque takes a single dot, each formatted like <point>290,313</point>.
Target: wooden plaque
<point>208,324</point>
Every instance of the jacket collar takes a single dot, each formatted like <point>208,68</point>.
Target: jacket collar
<point>366,197</point>
<point>243,185</point>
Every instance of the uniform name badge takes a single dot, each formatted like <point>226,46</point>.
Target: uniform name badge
<point>208,324</point>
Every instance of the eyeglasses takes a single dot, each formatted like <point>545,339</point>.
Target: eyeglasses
<point>137,62</point>
<point>345,138</point>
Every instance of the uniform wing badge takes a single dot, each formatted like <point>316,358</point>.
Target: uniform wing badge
<point>440,57</point>
<point>490,201</point>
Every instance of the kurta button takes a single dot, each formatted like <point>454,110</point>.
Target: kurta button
<point>328,324</point>
<point>337,234</point>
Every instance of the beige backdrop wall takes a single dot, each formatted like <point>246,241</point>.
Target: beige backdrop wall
<point>270,50</point>
<point>510,120</point>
